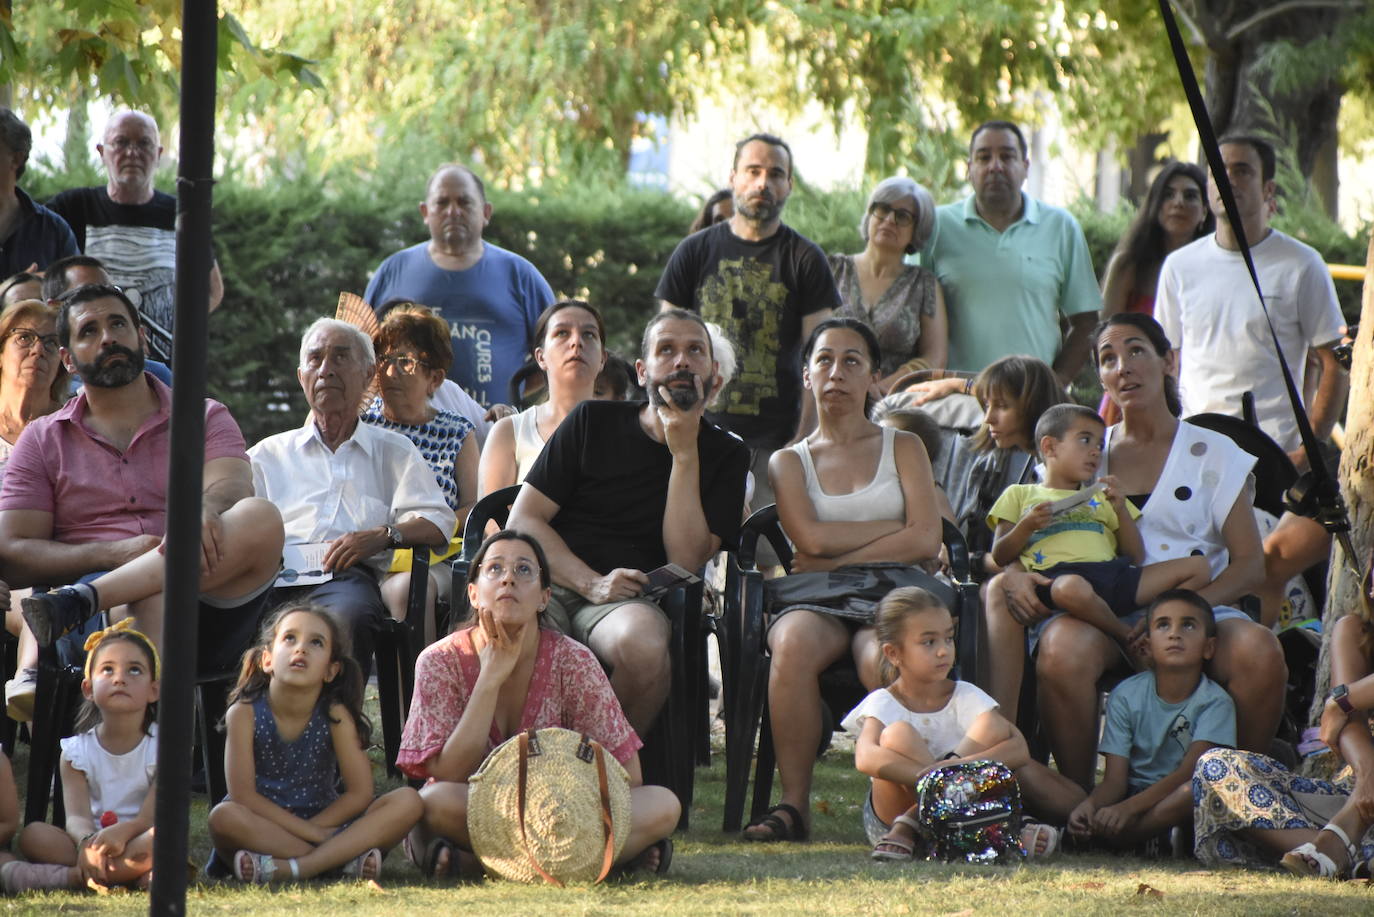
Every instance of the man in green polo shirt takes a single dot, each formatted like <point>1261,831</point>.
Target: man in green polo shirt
<point>1011,265</point>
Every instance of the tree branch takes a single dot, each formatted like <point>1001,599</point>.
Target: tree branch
<point>1287,7</point>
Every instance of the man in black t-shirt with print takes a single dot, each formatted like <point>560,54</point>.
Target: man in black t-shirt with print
<point>622,488</point>
<point>131,226</point>
<point>766,286</point>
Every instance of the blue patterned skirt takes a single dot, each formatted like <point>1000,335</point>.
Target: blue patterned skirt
<point>1236,790</point>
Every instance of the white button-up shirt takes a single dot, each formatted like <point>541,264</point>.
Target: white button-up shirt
<point>376,477</point>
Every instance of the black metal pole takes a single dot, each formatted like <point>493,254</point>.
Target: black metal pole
<point>199,30</point>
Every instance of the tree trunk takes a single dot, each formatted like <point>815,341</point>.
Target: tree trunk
<point>1240,85</point>
<point>1345,585</point>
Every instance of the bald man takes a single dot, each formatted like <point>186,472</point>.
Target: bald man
<point>491,298</point>
<point>131,226</point>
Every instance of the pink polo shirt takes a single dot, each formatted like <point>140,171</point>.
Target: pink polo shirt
<point>94,491</point>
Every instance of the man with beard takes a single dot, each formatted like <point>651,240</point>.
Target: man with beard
<point>131,226</point>
<point>624,487</point>
<point>490,297</point>
<point>1010,266</point>
<point>85,491</point>
<point>766,286</point>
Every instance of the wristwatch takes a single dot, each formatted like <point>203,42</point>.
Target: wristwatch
<point>1341,695</point>
<point>393,535</point>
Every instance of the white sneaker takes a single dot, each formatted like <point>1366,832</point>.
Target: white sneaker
<point>19,693</point>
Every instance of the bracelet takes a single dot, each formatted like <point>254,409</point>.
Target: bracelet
<point>968,386</point>
<point>85,840</point>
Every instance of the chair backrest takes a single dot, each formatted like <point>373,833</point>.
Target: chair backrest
<point>763,523</point>
<point>1274,471</point>
<point>494,507</point>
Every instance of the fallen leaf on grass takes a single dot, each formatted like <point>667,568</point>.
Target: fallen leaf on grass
<point>372,884</point>
<point>99,889</point>
<point>1091,886</point>
<point>823,806</point>
<point>1148,891</point>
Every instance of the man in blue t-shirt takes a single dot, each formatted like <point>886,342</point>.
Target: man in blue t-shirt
<point>491,298</point>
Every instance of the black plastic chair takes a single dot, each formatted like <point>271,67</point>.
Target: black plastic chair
<point>745,660</point>
<point>395,646</point>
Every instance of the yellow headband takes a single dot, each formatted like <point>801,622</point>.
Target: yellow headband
<point>122,626</point>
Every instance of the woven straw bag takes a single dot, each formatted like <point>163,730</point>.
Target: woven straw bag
<point>549,804</point>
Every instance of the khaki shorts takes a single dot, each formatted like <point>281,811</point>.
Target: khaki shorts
<point>570,613</point>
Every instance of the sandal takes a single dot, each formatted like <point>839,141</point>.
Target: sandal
<point>778,829</point>
<point>260,868</point>
<point>353,869</point>
<point>893,847</point>
<point>1307,860</point>
<point>640,863</point>
<point>1031,835</point>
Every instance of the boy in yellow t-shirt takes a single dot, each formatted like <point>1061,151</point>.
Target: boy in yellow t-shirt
<point>1075,536</point>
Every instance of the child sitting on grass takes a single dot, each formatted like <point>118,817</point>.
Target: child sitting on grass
<point>922,719</point>
<point>1159,722</point>
<point>1077,548</point>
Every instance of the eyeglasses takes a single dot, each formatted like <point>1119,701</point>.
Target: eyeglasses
<point>524,572</point>
<point>404,364</point>
<point>881,211</point>
<point>27,338</point>
<point>142,144</point>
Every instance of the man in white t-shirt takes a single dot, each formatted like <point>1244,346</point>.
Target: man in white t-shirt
<point>1208,308</point>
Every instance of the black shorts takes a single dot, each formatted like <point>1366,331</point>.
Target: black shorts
<point>1115,581</point>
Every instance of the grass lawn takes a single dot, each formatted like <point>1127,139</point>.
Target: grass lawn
<point>716,874</point>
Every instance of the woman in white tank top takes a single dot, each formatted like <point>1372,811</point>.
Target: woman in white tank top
<point>851,492</point>
<point>570,348</point>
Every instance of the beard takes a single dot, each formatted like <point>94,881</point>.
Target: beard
<point>683,399</point>
<point>102,374</point>
<point>761,208</point>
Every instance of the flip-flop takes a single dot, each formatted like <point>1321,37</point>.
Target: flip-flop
<point>779,830</point>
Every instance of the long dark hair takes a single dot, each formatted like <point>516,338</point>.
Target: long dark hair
<point>1143,244</point>
<point>705,216</point>
<point>1147,326</point>
<point>345,688</point>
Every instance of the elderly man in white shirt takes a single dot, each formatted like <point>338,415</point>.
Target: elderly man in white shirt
<point>352,490</point>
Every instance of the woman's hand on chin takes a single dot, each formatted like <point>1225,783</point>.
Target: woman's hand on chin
<point>502,649</point>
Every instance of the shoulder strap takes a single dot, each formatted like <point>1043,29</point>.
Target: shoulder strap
<point>525,739</point>
<point>1316,494</point>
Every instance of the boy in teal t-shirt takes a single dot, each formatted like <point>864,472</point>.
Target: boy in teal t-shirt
<point>1077,548</point>
<point>1158,724</point>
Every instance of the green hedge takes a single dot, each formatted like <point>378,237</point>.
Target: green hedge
<point>287,250</point>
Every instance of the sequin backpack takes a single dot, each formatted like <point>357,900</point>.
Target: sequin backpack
<point>971,812</point>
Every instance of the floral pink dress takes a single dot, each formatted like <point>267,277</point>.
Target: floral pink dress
<point>568,689</point>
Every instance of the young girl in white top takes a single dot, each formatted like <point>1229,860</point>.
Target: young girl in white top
<point>922,720</point>
<point>107,771</point>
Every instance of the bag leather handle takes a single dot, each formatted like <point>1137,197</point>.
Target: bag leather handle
<point>608,829</point>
